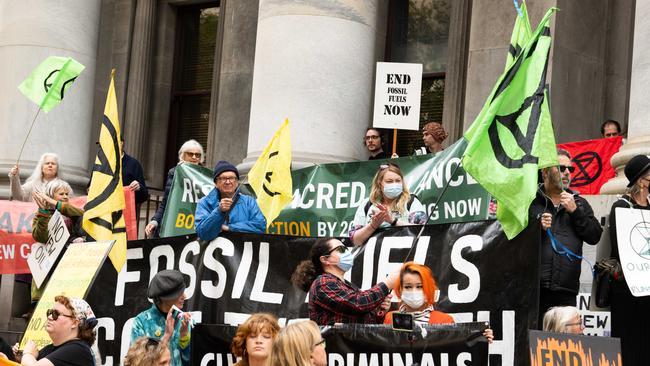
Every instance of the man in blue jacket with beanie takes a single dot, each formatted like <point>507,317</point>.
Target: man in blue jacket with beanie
<point>225,209</point>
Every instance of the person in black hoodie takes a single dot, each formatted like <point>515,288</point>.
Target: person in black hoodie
<point>571,221</point>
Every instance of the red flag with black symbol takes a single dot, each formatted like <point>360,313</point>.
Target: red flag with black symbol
<point>591,160</point>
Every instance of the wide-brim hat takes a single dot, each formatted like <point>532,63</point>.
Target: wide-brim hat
<point>636,167</point>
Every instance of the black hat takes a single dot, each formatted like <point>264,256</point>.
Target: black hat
<point>224,166</point>
<point>636,167</point>
<point>166,285</point>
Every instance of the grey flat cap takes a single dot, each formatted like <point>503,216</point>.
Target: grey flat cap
<point>166,285</point>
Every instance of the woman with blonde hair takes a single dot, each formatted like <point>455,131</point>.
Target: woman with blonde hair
<point>147,351</point>
<point>389,204</point>
<point>191,152</point>
<point>46,170</point>
<point>563,319</point>
<point>254,339</point>
<point>299,344</point>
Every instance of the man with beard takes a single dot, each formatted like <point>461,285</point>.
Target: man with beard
<point>374,141</point>
<point>571,221</point>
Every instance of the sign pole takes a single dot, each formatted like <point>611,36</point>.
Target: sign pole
<point>394,141</point>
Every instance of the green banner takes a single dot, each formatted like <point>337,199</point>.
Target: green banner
<point>326,197</point>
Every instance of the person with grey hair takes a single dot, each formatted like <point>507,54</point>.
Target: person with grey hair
<point>167,290</point>
<point>563,319</point>
<point>628,311</point>
<point>191,152</point>
<point>46,169</point>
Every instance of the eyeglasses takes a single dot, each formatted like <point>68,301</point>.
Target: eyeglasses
<point>611,134</point>
<point>227,179</point>
<point>193,154</point>
<point>341,249</point>
<point>574,324</point>
<point>564,168</point>
<point>55,314</point>
<point>322,341</point>
<point>371,137</point>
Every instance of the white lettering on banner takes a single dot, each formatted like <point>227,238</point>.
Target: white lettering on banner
<point>394,359</point>
<point>25,249</point>
<point>124,276</point>
<point>462,208</point>
<point>187,268</point>
<point>469,294</point>
<point>439,174</point>
<point>399,242</point>
<point>258,293</point>
<point>126,338</point>
<point>218,359</point>
<point>208,289</point>
<point>324,195</point>
<point>7,251</point>
<point>341,195</point>
<point>109,325</point>
<point>243,270</point>
<point>193,190</point>
<point>154,259</point>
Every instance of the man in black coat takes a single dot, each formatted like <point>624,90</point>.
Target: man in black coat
<point>571,221</point>
<point>133,179</point>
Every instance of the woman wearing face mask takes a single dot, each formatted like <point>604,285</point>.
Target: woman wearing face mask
<point>416,290</point>
<point>389,204</point>
<point>332,299</point>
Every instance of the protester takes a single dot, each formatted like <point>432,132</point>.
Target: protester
<point>254,339</point>
<point>629,320</point>
<point>147,351</point>
<point>225,209</point>
<point>433,135</point>
<point>563,319</point>
<point>332,299</point>
<point>375,142</point>
<point>167,289</point>
<point>191,152</point>
<point>46,169</point>
<point>416,290</point>
<point>389,204</point>
<point>571,220</point>
<point>299,344</point>
<point>610,128</point>
<point>133,179</point>
<point>70,326</point>
<point>56,197</point>
<point>5,351</point>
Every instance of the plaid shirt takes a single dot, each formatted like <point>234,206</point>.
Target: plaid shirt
<point>332,300</point>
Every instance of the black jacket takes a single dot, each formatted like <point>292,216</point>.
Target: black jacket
<point>557,272</point>
<point>158,216</point>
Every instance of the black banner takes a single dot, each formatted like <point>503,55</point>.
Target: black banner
<point>480,274</point>
<point>352,345</point>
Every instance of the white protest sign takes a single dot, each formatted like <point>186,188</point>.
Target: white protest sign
<point>43,256</point>
<point>633,234</point>
<point>397,96</point>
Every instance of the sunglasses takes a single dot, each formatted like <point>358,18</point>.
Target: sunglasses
<point>322,341</point>
<point>387,165</point>
<point>564,168</point>
<point>55,314</point>
<point>341,249</point>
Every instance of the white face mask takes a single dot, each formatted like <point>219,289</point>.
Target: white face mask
<point>413,299</point>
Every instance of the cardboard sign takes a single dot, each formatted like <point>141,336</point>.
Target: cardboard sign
<point>44,255</point>
<point>72,277</point>
<point>633,234</point>
<point>550,349</point>
<point>397,96</point>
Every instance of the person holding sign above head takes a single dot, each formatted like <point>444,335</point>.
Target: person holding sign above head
<point>389,204</point>
<point>70,325</point>
<point>191,152</point>
<point>46,170</point>
<point>225,209</point>
<point>167,289</point>
<point>630,321</point>
<point>332,299</point>
<point>416,290</point>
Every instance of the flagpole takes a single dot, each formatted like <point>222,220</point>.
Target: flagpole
<point>26,137</point>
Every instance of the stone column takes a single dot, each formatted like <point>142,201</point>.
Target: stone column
<point>31,32</point>
<point>638,133</point>
<point>139,82</point>
<point>315,65</point>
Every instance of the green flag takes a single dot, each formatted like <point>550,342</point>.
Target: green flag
<point>520,35</point>
<point>47,84</point>
<point>513,137</point>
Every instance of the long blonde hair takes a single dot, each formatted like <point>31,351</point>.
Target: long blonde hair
<point>377,194</point>
<point>294,344</point>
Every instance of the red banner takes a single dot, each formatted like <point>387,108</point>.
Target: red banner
<point>16,230</point>
<point>591,160</point>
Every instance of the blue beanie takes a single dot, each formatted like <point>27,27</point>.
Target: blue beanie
<point>224,166</point>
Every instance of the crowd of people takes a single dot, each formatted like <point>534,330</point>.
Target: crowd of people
<point>161,335</point>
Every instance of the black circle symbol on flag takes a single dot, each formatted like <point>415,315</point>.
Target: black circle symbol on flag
<point>583,162</point>
<point>51,78</point>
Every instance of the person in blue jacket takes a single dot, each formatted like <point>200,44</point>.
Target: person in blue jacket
<point>225,209</point>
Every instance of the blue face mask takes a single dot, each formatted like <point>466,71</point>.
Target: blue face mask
<point>345,261</point>
<point>392,190</point>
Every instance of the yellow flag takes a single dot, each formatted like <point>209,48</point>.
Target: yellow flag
<point>270,177</point>
<point>103,217</point>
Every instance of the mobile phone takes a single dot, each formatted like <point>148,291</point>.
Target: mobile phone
<point>403,321</point>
